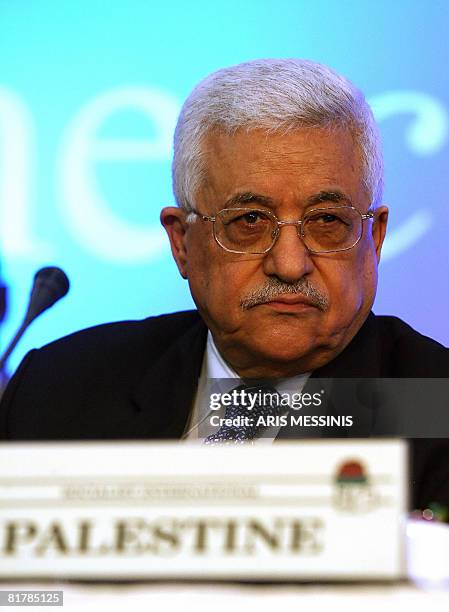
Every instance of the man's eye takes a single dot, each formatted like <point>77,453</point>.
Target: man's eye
<point>327,219</point>
<point>251,218</point>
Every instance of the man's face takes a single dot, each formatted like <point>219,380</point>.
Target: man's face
<point>288,175</point>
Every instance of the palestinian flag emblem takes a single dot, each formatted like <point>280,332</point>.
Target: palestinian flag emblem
<point>350,473</point>
<point>353,490</point>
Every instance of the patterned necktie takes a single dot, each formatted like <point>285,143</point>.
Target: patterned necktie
<point>251,427</point>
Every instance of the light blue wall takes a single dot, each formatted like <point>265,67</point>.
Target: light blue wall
<point>89,92</point>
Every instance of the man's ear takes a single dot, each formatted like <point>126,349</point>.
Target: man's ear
<point>173,220</point>
<point>380,228</point>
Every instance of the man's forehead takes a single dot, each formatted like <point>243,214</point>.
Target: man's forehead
<point>323,164</point>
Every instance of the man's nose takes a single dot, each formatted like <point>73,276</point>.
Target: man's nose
<point>289,258</point>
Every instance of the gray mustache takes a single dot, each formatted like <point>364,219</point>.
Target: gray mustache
<point>274,288</point>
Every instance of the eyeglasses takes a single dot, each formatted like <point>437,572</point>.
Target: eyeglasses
<point>253,231</point>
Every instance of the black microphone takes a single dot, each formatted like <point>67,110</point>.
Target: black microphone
<point>49,286</point>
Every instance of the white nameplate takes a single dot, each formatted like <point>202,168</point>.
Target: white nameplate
<point>293,510</point>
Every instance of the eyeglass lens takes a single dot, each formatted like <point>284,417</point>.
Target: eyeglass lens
<point>249,230</point>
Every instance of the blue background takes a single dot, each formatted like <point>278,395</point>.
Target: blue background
<point>89,92</point>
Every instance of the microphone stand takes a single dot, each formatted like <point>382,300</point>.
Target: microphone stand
<point>3,298</point>
<point>12,345</point>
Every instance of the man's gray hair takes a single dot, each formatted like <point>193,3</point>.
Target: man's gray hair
<point>278,95</point>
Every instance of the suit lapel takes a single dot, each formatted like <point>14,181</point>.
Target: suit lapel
<point>164,396</point>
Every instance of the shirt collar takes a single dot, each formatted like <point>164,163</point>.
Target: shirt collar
<point>216,366</point>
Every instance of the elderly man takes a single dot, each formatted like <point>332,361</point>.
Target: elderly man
<point>279,228</point>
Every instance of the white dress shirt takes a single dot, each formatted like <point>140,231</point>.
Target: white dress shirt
<point>215,367</point>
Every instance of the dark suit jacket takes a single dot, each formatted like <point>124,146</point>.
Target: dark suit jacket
<point>137,380</point>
